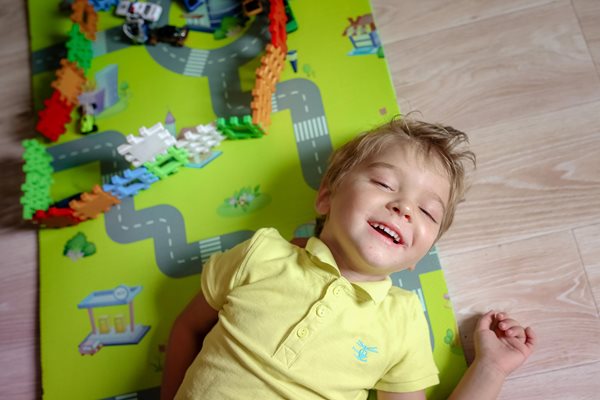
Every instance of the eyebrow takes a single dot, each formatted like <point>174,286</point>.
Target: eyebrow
<point>381,164</point>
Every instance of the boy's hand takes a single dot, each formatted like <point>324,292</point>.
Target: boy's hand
<point>502,343</point>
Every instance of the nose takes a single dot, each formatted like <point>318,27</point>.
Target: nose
<point>402,209</point>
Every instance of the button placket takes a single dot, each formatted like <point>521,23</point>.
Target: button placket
<point>321,310</point>
<point>302,332</point>
<point>334,301</point>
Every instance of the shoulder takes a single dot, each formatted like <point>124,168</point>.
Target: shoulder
<point>270,240</point>
<point>402,297</point>
<point>268,253</point>
<point>402,305</point>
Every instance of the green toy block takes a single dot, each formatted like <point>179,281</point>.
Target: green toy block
<point>291,24</point>
<point>169,163</point>
<point>79,48</point>
<point>235,129</point>
<point>38,178</point>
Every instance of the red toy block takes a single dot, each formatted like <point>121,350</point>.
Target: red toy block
<point>56,217</point>
<point>54,117</point>
<point>277,21</point>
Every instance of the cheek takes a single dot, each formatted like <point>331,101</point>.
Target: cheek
<point>428,231</point>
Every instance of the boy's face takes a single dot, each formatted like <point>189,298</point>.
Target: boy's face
<point>385,214</point>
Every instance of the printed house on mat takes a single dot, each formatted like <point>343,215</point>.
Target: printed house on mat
<point>363,35</point>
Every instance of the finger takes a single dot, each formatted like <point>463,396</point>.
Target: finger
<point>508,323</point>
<point>512,328</point>
<point>515,331</point>
<point>530,338</point>
<point>485,321</point>
<point>501,316</point>
<point>527,345</point>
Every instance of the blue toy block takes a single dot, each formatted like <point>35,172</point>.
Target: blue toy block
<point>103,5</point>
<point>130,184</point>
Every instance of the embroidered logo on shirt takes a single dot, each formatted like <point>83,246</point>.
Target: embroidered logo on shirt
<point>363,351</point>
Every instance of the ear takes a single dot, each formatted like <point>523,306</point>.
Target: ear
<point>323,201</point>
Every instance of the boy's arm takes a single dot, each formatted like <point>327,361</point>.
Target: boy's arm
<point>185,342</point>
<point>501,346</point>
<point>420,395</point>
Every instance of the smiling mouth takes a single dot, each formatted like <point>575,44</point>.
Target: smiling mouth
<point>388,232</point>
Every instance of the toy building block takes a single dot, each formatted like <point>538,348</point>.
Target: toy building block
<point>54,117</point>
<point>79,49</point>
<point>36,195</point>
<point>103,5</point>
<point>55,218</point>
<point>130,183</point>
<point>291,24</point>
<point>277,22</point>
<point>144,148</point>
<point>69,82</point>
<point>38,178</point>
<point>267,76</point>
<point>85,15</point>
<point>36,158</point>
<point>236,129</point>
<point>168,164</point>
<point>200,141</point>
<point>92,204</point>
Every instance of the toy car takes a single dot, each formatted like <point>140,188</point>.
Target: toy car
<point>148,11</point>
<point>89,346</point>
<point>168,34</point>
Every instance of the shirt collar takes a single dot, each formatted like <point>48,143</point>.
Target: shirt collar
<point>375,290</point>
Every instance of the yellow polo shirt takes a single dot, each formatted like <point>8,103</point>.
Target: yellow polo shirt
<point>291,327</point>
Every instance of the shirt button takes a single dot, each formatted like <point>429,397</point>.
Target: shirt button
<point>337,290</point>
<point>321,311</point>
<point>302,333</point>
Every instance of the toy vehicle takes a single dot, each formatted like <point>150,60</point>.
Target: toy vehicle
<point>89,346</point>
<point>135,28</point>
<point>148,11</point>
<point>168,34</point>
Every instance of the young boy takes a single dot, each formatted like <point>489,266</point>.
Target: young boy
<point>278,321</point>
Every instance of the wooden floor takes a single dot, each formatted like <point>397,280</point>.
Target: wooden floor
<point>522,78</point>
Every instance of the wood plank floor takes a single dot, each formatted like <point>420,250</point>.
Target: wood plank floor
<point>522,78</point>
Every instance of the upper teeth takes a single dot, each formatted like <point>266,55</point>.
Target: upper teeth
<point>387,230</point>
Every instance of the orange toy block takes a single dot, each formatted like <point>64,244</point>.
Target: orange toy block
<point>85,15</point>
<point>267,76</point>
<point>92,204</point>
<point>69,82</point>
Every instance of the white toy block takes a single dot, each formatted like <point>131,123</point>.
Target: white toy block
<point>151,142</point>
<point>200,140</point>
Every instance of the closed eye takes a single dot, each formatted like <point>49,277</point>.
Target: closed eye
<point>428,214</point>
<point>382,184</point>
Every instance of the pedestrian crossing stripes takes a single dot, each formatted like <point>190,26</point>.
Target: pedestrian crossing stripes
<point>208,247</point>
<point>274,104</point>
<point>196,62</point>
<point>310,129</point>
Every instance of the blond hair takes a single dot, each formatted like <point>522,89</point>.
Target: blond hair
<point>438,142</point>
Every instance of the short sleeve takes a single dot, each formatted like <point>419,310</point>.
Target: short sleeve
<point>221,273</point>
<point>416,369</point>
